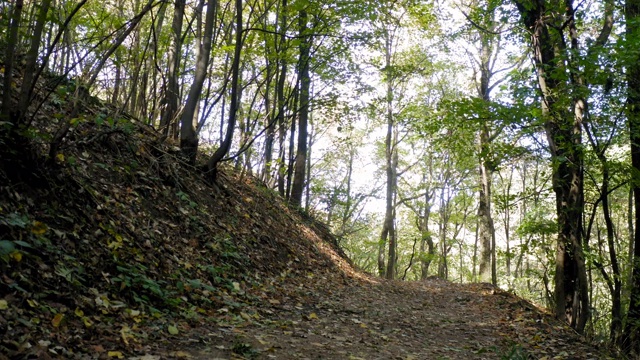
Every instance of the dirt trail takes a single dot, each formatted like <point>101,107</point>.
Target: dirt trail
<point>393,320</point>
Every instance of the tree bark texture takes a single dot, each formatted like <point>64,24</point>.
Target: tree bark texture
<point>631,337</point>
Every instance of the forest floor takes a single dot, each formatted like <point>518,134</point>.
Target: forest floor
<point>435,319</point>
<point>117,249</point>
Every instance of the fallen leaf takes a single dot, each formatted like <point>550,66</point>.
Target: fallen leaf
<point>17,256</point>
<point>125,333</point>
<point>57,320</point>
<point>173,330</point>
<point>38,228</point>
<point>4,305</point>
<point>87,321</point>
<point>116,354</point>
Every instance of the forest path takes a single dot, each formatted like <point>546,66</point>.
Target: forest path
<point>395,320</point>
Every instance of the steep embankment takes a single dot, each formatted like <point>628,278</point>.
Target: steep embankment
<point>119,234</point>
<point>120,250</point>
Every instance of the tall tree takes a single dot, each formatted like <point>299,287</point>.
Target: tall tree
<point>297,187</point>
<point>32,59</point>
<point>171,94</point>
<point>12,43</point>
<point>188,134</point>
<point>225,146</point>
<point>631,338</point>
<point>552,25</point>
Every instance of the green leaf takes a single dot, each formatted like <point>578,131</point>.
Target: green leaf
<point>173,330</point>
<point>6,247</point>
<point>15,219</point>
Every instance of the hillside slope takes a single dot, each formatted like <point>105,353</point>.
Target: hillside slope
<point>119,229</point>
<point>120,250</point>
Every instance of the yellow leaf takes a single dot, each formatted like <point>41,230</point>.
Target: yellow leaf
<point>125,333</point>
<point>4,305</point>
<point>117,354</point>
<point>38,228</point>
<point>87,322</point>
<point>312,316</point>
<point>57,320</point>
<point>17,256</point>
<point>173,330</point>
<point>32,303</point>
<point>79,312</point>
<point>363,325</point>
<point>60,157</point>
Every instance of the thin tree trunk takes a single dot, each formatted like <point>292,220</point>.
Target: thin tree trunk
<point>281,100</point>
<point>171,95</point>
<point>292,141</point>
<point>388,235</point>
<point>223,150</point>
<point>297,187</point>
<point>188,134</point>
<point>12,42</point>
<point>32,60</point>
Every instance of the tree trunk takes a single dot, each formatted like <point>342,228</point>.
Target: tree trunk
<point>297,188</point>
<point>388,235</point>
<point>171,95</point>
<point>32,60</point>
<point>631,341</point>
<point>564,136</point>
<point>486,229</point>
<point>485,220</point>
<point>281,100</point>
<point>292,137</point>
<point>427,248</point>
<point>223,150</point>
<point>12,42</point>
<point>188,134</point>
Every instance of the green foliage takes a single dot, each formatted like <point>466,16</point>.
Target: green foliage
<point>516,352</point>
<point>245,350</point>
<point>135,280</point>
